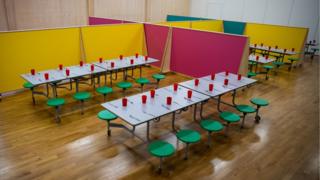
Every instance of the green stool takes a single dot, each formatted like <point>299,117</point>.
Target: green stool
<point>277,64</point>
<point>188,136</point>
<point>229,118</point>
<point>142,82</point>
<point>56,103</point>
<point>158,78</point>
<point>259,103</point>
<point>104,90</point>
<point>267,68</point>
<point>160,149</point>
<point>251,74</point>
<point>124,85</point>
<point>30,86</point>
<point>211,126</point>
<point>107,116</point>
<point>292,60</point>
<point>82,96</point>
<point>245,109</point>
<point>251,64</point>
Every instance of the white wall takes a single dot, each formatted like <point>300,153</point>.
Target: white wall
<point>299,13</point>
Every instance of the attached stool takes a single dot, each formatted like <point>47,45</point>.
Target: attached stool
<point>188,136</point>
<point>124,85</point>
<point>107,116</point>
<point>158,78</point>
<point>211,126</point>
<point>277,64</point>
<point>30,86</point>
<point>267,68</point>
<point>142,82</point>
<point>104,90</point>
<point>251,64</point>
<point>160,149</point>
<point>56,103</point>
<point>251,74</point>
<point>229,118</point>
<point>259,102</point>
<point>82,96</point>
<point>245,109</point>
<point>292,60</point>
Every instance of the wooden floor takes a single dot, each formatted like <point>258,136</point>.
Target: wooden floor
<point>283,146</point>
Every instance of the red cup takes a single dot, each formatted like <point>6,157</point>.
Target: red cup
<point>213,76</point>
<point>227,73</point>
<point>226,81</point>
<point>146,58</point>
<point>137,55</point>
<point>144,99</point>
<point>257,58</point>
<point>121,57</point>
<point>152,93</point>
<point>33,72</point>
<point>255,45</point>
<point>46,76</point>
<point>175,86</point>
<point>276,47</point>
<point>92,67</point>
<point>285,50</point>
<point>261,44</point>
<point>239,77</point>
<point>81,63</point>
<point>124,102</point>
<point>112,64</point>
<point>210,87</point>
<point>196,82</point>
<point>189,94</point>
<point>60,66</point>
<point>269,47</point>
<point>100,60</point>
<point>131,61</point>
<point>292,49</point>
<point>67,72</point>
<point>169,100</point>
<point>267,57</point>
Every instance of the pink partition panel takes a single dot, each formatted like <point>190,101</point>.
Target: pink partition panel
<point>199,53</point>
<point>156,37</point>
<point>97,21</point>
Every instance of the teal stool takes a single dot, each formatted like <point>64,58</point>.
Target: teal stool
<point>211,126</point>
<point>229,118</point>
<point>104,91</point>
<point>277,64</point>
<point>292,60</point>
<point>142,82</point>
<point>160,149</point>
<point>107,116</point>
<point>124,85</point>
<point>158,78</point>
<point>188,136</point>
<point>251,64</point>
<point>56,103</point>
<point>259,103</point>
<point>30,86</point>
<point>267,68</point>
<point>245,109</point>
<point>82,96</point>
<point>251,74</point>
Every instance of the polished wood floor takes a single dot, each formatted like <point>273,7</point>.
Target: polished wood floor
<point>283,146</point>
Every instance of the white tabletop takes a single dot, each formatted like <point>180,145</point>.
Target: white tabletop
<point>125,62</point>
<point>59,75</point>
<point>261,60</point>
<point>272,49</point>
<point>136,113</point>
<point>218,84</point>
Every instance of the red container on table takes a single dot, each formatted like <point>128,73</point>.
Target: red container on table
<point>285,50</point>
<point>137,55</point>
<point>67,72</point>
<point>292,49</point>
<point>121,57</point>
<point>210,87</point>
<point>239,77</point>
<point>112,64</point>
<point>152,93</point>
<point>257,58</point>
<point>269,48</point>
<point>213,76</point>
<point>81,63</point>
<point>33,72</point>
<point>226,81</point>
<point>267,57</point>
<point>92,67</point>
<point>46,76</point>
<point>175,86</point>
<point>261,44</point>
<point>255,45</point>
<point>189,94</point>
<point>169,100</point>
<point>276,47</point>
<point>144,99</point>
<point>100,60</point>
<point>227,73</point>
<point>146,58</point>
<point>131,61</point>
<point>124,102</point>
<point>60,66</point>
<point>196,82</point>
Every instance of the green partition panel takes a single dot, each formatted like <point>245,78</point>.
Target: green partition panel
<point>234,27</point>
<point>183,18</point>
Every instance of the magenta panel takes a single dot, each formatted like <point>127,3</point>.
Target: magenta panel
<point>156,37</point>
<point>97,21</point>
<point>199,53</point>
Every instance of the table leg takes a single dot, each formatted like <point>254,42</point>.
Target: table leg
<point>148,131</point>
<point>234,97</point>
<point>173,121</point>
<point>195,113</point>
<point>219,102</point>
<point>140,67</point>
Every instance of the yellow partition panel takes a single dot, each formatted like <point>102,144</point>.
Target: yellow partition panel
<point>39,49</point>
<point>110,41</point>
<point>210,25</point>
<point>272,35</point>
<point>182,24</point>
